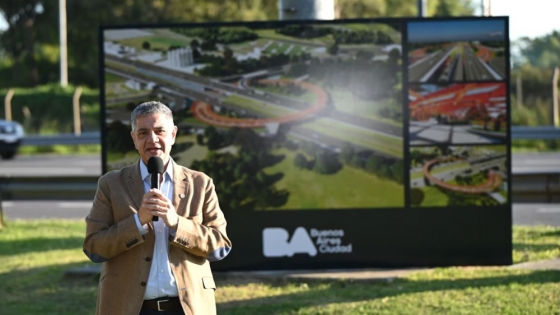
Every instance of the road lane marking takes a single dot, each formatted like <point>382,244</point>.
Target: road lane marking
<point>549,210</point>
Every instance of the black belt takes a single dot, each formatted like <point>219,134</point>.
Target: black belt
<point>163,304</point>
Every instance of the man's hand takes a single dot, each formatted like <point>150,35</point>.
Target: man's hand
<point>154,203</point>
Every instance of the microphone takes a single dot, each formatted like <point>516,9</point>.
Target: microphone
<point>155,167</point>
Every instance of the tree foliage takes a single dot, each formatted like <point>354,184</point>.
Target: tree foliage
<point>541,52</point>
<point>31,40</point>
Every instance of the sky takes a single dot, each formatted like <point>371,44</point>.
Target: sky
<point>527,18</point>
<point>531,18</point>
<point>456,30</point>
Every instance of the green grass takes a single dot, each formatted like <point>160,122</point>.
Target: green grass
<point>247,47</point>
<point>35,254</point>
<point>360,136</point>
<point>322,41</point>
<point>434,197</point>
<point>346,102</point>
<point>156,42</point>
<point>33,258</point>
<point>348,188</point>
<point>193,152</point>
<point>111,78</point>
<point>450,167</point>
<point>267,109</point>
<point>306,96</point>
<point>60,149</point>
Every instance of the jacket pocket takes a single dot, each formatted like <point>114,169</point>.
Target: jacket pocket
<point>208,283</point>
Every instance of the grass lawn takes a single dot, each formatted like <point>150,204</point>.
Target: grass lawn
<point>322,41</point>
<point>156,42</point>
<point>364,137</point>
<point>345,101</point>
<point>111,78</point>
<point>450,167</point>
<point>60,149</point>
<point>434,197</point>
<point>193,151</point>
<point>267,109</point>
<point>348,188</point>
<point>35,254</point>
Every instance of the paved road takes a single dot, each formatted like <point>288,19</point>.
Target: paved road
<point>523,214</point>
<point>52,165</point>
<point>541,163</point>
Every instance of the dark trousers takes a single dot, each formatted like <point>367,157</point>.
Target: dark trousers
<point>149,311</point>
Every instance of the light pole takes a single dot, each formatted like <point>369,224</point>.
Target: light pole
<point>63,49</point>
<point>486,7</point>
<point>422,8</point>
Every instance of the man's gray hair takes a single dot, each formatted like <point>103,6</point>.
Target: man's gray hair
<point>150,108</point>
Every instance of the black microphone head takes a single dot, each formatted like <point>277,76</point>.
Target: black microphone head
<point>155,165</point>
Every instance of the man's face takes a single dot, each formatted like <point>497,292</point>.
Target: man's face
<point>154,136</point>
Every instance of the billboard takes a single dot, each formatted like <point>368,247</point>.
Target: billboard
<point>332,144</point>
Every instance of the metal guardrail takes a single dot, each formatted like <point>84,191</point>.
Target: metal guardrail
<point>535,132</point>
<point>63,139</point>
<point>49,188</point>
<point>536,188</point>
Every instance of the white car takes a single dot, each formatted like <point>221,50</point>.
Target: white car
<point>11,135</point>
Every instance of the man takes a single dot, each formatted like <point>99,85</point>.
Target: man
<point>155,267</point>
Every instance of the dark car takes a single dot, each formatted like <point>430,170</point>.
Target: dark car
<point>11,135</point>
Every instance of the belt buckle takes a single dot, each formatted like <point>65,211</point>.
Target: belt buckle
<point>159,306</point>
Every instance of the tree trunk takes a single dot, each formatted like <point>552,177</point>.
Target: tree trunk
<point>30,47</point>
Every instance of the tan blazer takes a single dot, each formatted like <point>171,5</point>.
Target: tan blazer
<point>112,238</point>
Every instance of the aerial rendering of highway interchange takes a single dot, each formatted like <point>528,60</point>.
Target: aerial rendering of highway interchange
<point>457,96</point>
<point>315,92</point>
<point>455,51</point>
<point>301,116</point>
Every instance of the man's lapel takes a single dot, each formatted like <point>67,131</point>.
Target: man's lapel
<point>135,184</point>
<point>180,189</point>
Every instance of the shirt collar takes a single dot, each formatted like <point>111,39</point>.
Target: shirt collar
<point>144,170</point>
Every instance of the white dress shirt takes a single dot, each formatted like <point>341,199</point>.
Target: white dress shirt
<point>161,282</point>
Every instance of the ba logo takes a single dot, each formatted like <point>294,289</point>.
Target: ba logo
<point>276,243</point>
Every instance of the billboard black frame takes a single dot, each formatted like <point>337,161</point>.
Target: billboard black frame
<point>383,237</point>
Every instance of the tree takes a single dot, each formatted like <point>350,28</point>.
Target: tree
<point>21,16</point>
<point>146,45</point>
<point>300,161</point>
<point>199,139</point>
<point>35,58</point>
<point>541,51</point>
<point>398,171</point>
<point>373,164</point>
<point>347,153</point>
<point>416,197</point>
<point>118,137</point>
<point>451,8</point>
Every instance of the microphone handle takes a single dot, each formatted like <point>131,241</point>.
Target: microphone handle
<point>155,184</point>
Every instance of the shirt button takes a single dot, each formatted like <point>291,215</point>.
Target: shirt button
<point>148,259</point>
<point>143,283</point>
